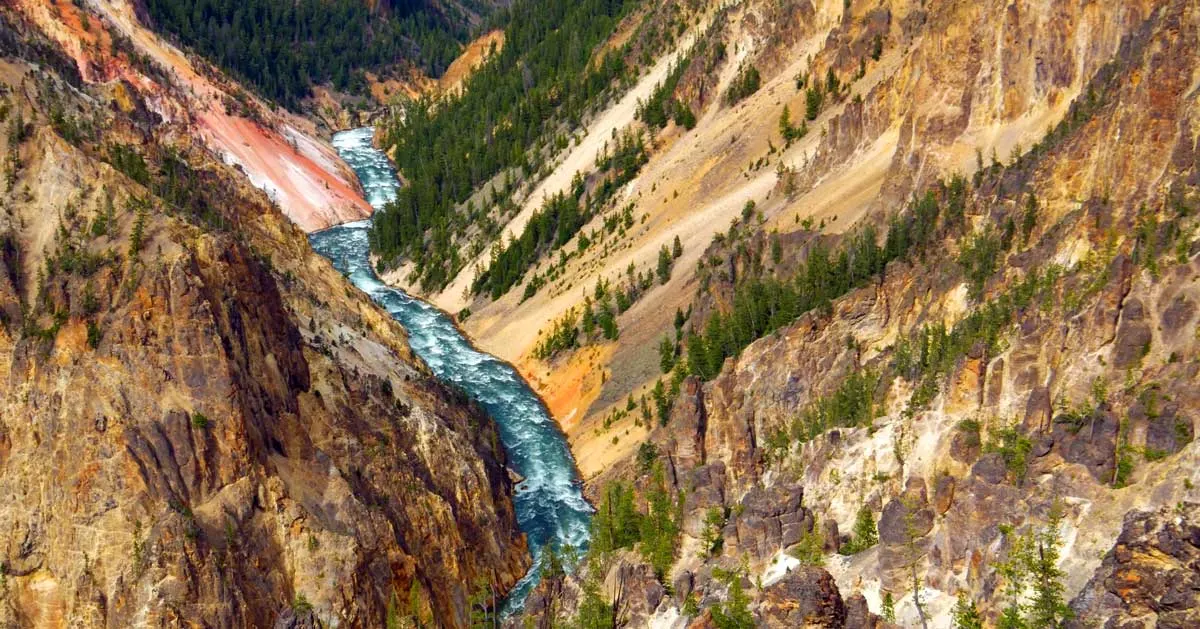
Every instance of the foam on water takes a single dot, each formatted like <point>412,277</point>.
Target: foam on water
<point>549,502</point>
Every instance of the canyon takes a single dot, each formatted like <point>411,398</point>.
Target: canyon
<point>886,316</point>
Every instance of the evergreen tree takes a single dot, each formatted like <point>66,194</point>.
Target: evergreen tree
<point>135,237</point>
<point>594,611</point>
<point>1048,607</point>
<point>813,100</point>
<point>865,535</point>
<point>888,608</point>
<point>734,613</point>
<point>1029,218</point>
<point>666,355</point>
<point>664,265</point>
<point>965,614</point>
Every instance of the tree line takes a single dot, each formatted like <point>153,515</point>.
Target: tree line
<point>543,79</point>
<point>285,48</point>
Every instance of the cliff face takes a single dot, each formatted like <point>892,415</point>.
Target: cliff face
<point>200,420</point>
<point>1059,377</point>
<point>922,91</point>
<point>278,152</point>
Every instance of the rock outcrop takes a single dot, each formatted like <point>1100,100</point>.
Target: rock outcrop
<point>1149,578</point>
<point>201,422</point>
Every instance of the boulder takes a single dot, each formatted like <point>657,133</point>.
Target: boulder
<point>805,597</point>
<point>1149,577</point>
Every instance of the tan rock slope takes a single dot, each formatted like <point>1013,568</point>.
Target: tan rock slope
<point>950,87</point>
<point>201,422</point>
<point>1035,354</point>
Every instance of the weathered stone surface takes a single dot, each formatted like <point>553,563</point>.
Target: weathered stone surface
<point>704,488</point>
<point>831,541</point>
<point>990,468</point>
<point>805,597</point>
<point>1149,577</point>
<point>1089,441</point>
<point>640,590</point>
<point>290,618</point>
<point>1133,335</point>
<point>906,516</point>
<point>688,424</point>
<point>943,493</point>
<point>769,521</point>
<point>858,614</point>
<point>224,425</point>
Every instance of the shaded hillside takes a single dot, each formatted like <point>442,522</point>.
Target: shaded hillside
<point>202,420</point>
<point>283,49</point>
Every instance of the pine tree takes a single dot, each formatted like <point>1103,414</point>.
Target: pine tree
<point>594,611</point>
<point>813,99</point>
<point>135,238</point>
<point>1029,219</point>
<point>666,355</point>
<point>1049,606</point>
<point>865,535</point>
<point>734,613</point>
<point>785,124</point>
<point>965,614</point>
<point>664,265</point>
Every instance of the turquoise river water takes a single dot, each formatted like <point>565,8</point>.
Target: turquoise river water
<point>549,501</point>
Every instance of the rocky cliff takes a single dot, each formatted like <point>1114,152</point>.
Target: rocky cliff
<point>1026,370</point>
<point>203,424</point>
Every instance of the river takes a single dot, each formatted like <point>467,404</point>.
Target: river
<point>549,501</point>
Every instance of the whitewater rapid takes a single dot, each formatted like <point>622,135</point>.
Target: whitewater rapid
<point>549,501</point>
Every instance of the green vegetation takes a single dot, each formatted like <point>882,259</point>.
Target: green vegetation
<point>851,404</point>
<point>655,533</point>
<point>711,539</point>
<point>927,356</point>
<point>887,609</point>
<point>814,99</point>
<point>94,335</point>
<point>810,550</point>
<point>666,260</point>
<point>199,420</point>
<point>762,305</point>
<point>135,237</point>
<point>560,218</point>
<point>980,258</point>
<point>865,534</point>
<point>744,84</point>
<point>543,79</point>
<point>647,455</point>
<point>564,335</point>
<point>484,602</point>
<point>1014,448</point>
<point>788,131</point>
<point>965,615</point>
<point>734,613</point>
<point>594,611</point>
<point>300,605</point>
<point>1033,581</point>
<point>662,106</point>
<point>1125,461</point>
<point>285,48</point>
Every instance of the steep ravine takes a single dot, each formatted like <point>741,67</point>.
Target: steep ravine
<point>549,502</point>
